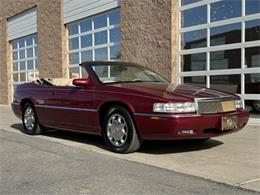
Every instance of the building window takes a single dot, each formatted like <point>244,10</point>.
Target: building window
<point>25,59</point>
<point>219,46</point>
<point>94,38</point>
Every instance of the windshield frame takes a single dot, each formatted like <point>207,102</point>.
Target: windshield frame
<point>123,64</point>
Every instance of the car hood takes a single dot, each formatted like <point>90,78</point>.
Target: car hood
<point>172,91</point>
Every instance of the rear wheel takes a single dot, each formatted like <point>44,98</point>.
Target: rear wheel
<point>30,120</point>
<point>120,132</point>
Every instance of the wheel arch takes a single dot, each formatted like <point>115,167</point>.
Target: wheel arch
<point>103,109</point>
<point>26,100</point>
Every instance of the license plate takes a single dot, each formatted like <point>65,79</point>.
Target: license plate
<point>228,123</point>
<point>228,106</point>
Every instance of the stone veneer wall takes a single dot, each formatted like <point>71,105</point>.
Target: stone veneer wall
<point>149,34</point>
<point>52,42</point>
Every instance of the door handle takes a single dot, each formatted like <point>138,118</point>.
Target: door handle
<point>51,93</point>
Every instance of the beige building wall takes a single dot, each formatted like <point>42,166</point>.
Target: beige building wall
<point>149,34</point>
<point>149,37</point>
<point>52,41</point>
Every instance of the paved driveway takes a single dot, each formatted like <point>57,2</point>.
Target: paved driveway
<point>233,159</point>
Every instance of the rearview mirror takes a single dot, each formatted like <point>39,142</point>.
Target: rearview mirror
<point>81,82</point>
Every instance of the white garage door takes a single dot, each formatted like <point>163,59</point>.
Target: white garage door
<point>78,9</point>
<point>22,24</point>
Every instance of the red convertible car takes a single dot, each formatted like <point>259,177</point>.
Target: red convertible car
<point>127,103</point>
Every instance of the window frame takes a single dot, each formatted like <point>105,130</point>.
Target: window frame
<point>34,58</point>
<point>92,32</point>
<point>241,45</point>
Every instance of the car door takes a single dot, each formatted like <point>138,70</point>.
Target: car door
<point>72,108</point>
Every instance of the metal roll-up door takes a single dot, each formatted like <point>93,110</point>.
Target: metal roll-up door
<point>22,24</point>
<point>78,9</point>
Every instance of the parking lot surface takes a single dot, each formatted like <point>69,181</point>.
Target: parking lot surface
<point>233,159</point>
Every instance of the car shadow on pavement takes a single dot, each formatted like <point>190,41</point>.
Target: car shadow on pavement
<point>149,147</point>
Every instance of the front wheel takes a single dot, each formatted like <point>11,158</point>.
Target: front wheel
<point>30,120</point>
<point>120,132</point>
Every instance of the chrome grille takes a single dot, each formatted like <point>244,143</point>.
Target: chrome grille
<point>211,106</point>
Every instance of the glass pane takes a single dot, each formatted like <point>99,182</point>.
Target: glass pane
<point>194,62</point>
<point>252,83</point>
<point>101,71</point>
<point>114,17</point>
<point>115,52</point>
<point>15,66</point>
<point>253,106</point>
<point>100,21</point>
<point>86,41</point>
<point>252,57</point>
<point>21,43</point>
<point>225,59</point>
<point>194,16</point>
<point>74,43</point>
<point>36,63</point>
<point>115,35</point>
<point>74,58</point>
<point>30,53</point>
<point>14,45</point>
<point>194,39</point>
<point>73,29</point>
<point>21,54</point>
<point>22,65</point>
<point>252,6</point>
<point>196,80</point>
<point>225,34</point>
<point>35,39</point>
<point>15,55</point>
<point>30,76</point>
<point>252,30</point>
<point>101,54</point>
<point>84,73</point>
<point>228,83</point>
<point>225,9</point>
<point>22,77</point>
<point>86,56</point>
<point>100,37</point>
<point>29,41</point>
<point>74,72</point>
<point>186,2</point>
<point>85,25</point>
<point>30,64</point>
<point>15,77</point>
<point>36,51</point>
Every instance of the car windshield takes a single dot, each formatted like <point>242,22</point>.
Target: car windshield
<point>116,73</point>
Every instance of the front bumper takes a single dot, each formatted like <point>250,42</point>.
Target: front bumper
<point>167,127</point>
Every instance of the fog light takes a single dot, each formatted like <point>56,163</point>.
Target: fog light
<point>187,132</point>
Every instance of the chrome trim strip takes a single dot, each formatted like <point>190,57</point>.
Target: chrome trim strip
<point>15,103</point>
<point>165,115</point>
<point>214,99</point>
<point>66,108</point>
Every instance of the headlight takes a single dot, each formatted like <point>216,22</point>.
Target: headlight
<point>174,107</point>
<point>238,104</point>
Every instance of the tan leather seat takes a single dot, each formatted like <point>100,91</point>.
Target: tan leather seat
<point>61,81</point>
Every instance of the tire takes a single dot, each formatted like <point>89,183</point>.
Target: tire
<point>119,131</point>
<point>256,106</point>
<point>30,121</point>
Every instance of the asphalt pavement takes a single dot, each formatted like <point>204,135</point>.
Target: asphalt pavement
<point>62,162</point>
<point>36,166</point>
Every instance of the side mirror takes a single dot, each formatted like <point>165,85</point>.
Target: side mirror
<point>81,82</point>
